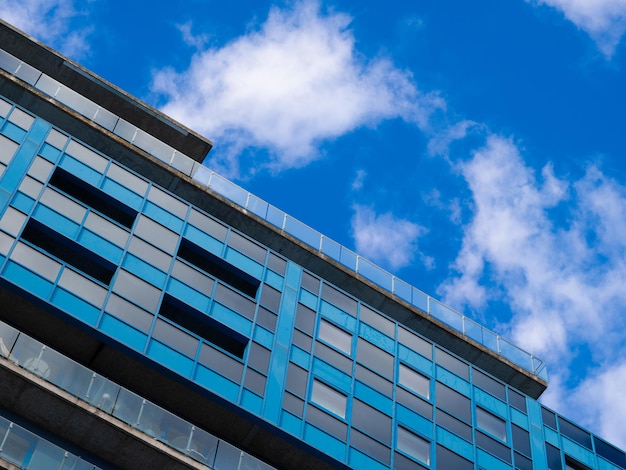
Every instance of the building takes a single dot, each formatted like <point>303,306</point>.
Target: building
<point>155,315</point>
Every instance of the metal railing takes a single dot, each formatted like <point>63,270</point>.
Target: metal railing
<point>119,402</point>
<point>287,224</point>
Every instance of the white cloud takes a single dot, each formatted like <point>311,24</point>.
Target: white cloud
<point>554,251</point>
<point>296,81</point>
<point>385,239</point>
<point>603,20</point>
<point>51,21</point>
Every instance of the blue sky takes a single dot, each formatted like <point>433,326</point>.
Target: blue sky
<point>474,149</point>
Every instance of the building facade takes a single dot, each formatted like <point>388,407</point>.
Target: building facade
<point>155,315</point>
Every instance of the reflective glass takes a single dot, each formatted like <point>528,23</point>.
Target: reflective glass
<point>414,381</point>
<point>491,424</point>
<point>413,445</point>
<point>329,398</point>
<point>371,421</point>
<point>335,336</point>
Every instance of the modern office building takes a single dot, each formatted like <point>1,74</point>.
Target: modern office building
<point>153,315</point>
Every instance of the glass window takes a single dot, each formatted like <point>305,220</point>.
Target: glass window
<point>328,423</point>
<point>492,446</point>
<point>554,457</point>
<point>453,364</point>
<point>375,358</point>
<point>266,319</point>
<point>610,453</point>
<point>488,384</point>
<point>247,247</point>
<point>302,341</point>
<point>339,299</point>
<point>332,357</point>
<point>329,398</point>
<point>167,201</point>
<point>255,382</point>
<point>276,264</point>
<point>208,225</point>
<point>87,156</point>
<point>384,386</point>
<point>517,400</point>
<point>235,301</point>
<point>447,460</point>
<point>177,339</point>
<point>491,424</point>
<point>335,336</point>
<point>369,446</point>
<point>293,404</point>
<point>453,402</point>
<point>130,181</point>
<point>310,283</point>
<point>371,421</point>
<point>413,445</point>
<point>456,426</point>
<point>305,319</point>
<point>220,362</point>
<point>575,433</point>
<point>414,403</point>
<point>548,418</point>
<point>270,298</point>
<point>521,439</point>
<point>378,321</point>
<point>414,381</point>
<point>259,357</point>
<point>296,379</point>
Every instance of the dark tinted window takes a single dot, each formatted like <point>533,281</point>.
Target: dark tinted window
<point>448,460</point>
<point>453,402</point>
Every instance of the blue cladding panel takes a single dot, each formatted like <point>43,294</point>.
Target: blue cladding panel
<point>416,360</point>
<point>144,270</point>
<point>163,217</point>
<point>264,337</point>
<point>486,460</point>
<point>360,460</point>
<point>290,423</point>
<point>320,440</point>
<point>81,170</point>
<point>27,280</point>
<point>376,337</point>
<point>75,306</point>
<point>244,263</point>
<point>414,421</point>
<point>49,152</point>
<point>205,241</point>
<point>374,398</point>
<point>217,383</point>
<point>23,202</point>
<point>232,319</point>
<point>100,246</point>
<point>188,295</point>
<point>251,402</point>
<point>60,223</point>
<point>125,195</point>
<point>454,443</point>
<point>338,316</point>
<point>122,332</point>
<point>334,376</point>
<point>13,132</point>
<point>170,358</point>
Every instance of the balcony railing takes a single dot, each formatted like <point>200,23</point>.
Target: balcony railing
<point>287,224</point>
<point>116,401</point>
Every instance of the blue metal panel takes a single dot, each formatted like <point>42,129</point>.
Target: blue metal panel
<point>145,271</point>
<point>338,316</point>
<point>537,444</point>
<point>277,372</point>
<point>416,360</point>
<point>204,240</point>
<point>490,403</point>
<point>80,170</point>
<point>216,383</point>
<point>332,375</point>
<point>22,160</point>
<point>244,263</point>
<point>231,318</point>
<point>376,337</point>
<point>578,452</point>
<point>27,280</point>
<point>75,306</point>
<point>374,398</point>
<point>251,402</point>
<point>453,381</point>
<point>290,423</point>
<point>486,460</point>
<point>320,440</point>
<point>263,337</point>
<point>123,333</point>
<point>170,358</point>
<point>454,443</point>
<point>23,202</point>
<point>128,197</point>
<point>358,459</point>
<point>61,224</point>
<point>99,245</point>
<point>414,421</point>
<point>49,152</point>
<point>188,295</point>
<point>300,357</point>
<point>164,217</point>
